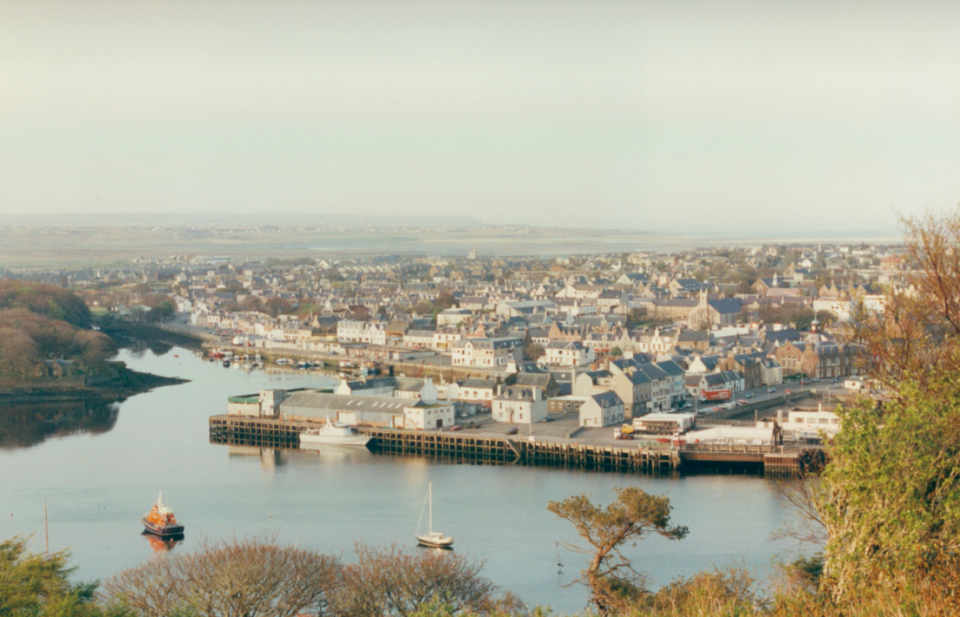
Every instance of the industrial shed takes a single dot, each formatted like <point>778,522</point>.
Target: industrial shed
<point>379,411</point>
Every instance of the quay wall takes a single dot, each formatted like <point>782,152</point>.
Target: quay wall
<point>479,448</point>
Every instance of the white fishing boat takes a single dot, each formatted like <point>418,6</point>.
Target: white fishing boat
<point>334,433</point>
<point>433,539</point>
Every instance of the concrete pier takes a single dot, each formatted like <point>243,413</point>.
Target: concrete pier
<point>487,449</point>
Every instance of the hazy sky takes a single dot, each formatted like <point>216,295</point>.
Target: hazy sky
<point>643,115</point>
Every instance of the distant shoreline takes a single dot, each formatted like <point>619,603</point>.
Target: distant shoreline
<point>129,383</point>
<point>66,247</point>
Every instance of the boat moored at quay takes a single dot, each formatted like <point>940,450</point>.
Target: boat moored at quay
<point>334,434</point>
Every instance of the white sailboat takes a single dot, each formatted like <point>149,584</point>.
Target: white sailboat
<point>433,539</point>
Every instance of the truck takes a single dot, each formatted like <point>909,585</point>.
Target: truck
<point>714,395</point>
<point>664,423</point>
<point>621,433</point>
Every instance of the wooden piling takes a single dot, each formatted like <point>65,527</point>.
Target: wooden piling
<point>486,449</point>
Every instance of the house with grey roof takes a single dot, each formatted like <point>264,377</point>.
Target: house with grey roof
<point>519,405</point>
<point>567,354</point>
<point>487,352</point>
<point>634,389</point>
<point>602,409</point>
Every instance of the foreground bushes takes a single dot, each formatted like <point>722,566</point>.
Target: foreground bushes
<point>259,578</point>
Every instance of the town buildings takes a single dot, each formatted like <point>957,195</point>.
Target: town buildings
<point>650,328</point>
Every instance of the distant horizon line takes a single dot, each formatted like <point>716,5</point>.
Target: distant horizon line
<point>281,219</point>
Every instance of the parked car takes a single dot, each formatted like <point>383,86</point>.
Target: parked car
<point>771,389</point>
<point>456,427</point>
<point>788,391</point>
<point>748,395</point>
<point>513,431</point>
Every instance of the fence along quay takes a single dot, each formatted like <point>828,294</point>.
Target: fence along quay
<point>273,433</point>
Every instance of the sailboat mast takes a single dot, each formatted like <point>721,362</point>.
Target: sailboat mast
<point>46,530</point>
<point>430,497</point>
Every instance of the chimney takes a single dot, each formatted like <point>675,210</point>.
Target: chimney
<point>536,394</point>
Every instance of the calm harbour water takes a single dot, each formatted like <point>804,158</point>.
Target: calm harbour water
<point>98,481</point>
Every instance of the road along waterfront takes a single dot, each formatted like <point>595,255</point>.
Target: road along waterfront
<point>100,478</point>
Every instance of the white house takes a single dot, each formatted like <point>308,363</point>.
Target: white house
<point>771,373</point>
<point>444,338</point>
<point>474,390</point>
<point>570,354</point>
<point>809,424</point>
<point>454,317</point>
<point>487,352</point>
<point>427,413</point>
<point>361,332</point>
<point>418,339</point>
<point>519,405</point>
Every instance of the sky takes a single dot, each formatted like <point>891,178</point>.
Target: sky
<point>654,116</point>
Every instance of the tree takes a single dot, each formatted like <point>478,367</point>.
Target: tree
<point>730,591</point>
<point>19,354</point>
<point>277,305</point>
<point>423,307</point>
<point>49,300</point>
<point>616,352</point>
<point>803,318</point>
<point>251,303</point>
<point>633,515</point>
<point>395,582</point>
<point>636,317</point>
<point>533,352</point>
<point>826,318</point>
<point>890,496</point>
<point>444,301</point>
<point>39,585</point>
<point>95,349</point>
<point>241,577</point>
<point>918,334</point>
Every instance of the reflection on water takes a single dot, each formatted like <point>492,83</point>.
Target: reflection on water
<point>270,458</point>
<point>441,549</point>
<point>163,545</point>
<point>26,425</point>
<point>335,454</point>
<point>138,347</point>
